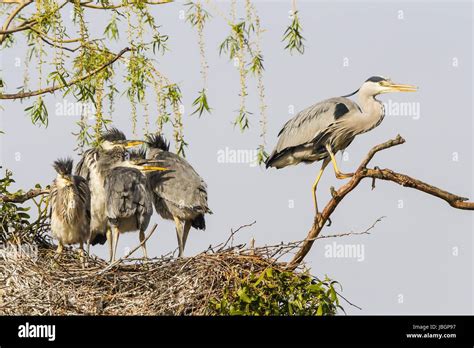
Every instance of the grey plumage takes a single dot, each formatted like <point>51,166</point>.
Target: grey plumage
<point>179,193</point>
<point>69,206</point>
<point>128,200</point>
<point>95,166</point>
<point>323,129</point>
<point>303,138</point>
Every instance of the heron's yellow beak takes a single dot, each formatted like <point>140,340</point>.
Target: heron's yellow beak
<point>153,168</point>
<point>67,179</point>
<point>401,87</point>
<point>133,143</point>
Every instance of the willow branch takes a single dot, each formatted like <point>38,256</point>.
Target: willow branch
<point>89,4</point>
<point>26,25</point>
<point>11,17</point>
<point>23,197</point>
<point>362,172</point>
<point>52,89</point>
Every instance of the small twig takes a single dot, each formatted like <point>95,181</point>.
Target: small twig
<point>232,233</point>
<point>353,233</point>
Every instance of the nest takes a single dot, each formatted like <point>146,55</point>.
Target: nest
<point>50,285</point>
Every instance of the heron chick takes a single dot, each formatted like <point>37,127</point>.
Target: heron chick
<point>179,193</point>
<point>129,201</point>
<point>70,207</point>
<point>111,150</point>
<point>323,129</point>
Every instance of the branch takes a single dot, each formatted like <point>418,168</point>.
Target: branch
<point>70,83</point>
<point>27,24</point>
<point>22,197</point>
<point>11,17</point>
<point>110,7</point>
<point>366,231</point>
<point>384,174</point>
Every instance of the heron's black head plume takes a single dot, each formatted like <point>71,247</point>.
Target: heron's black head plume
<point>137,154</point>
<point>350,94</point>
<point>113,134</point>
<point>63,166</point>
<point>370,79</point>
<point>157,141</point>
<point>376,79</point>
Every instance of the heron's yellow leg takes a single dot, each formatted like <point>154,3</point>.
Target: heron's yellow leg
<point>59,250</point>
<point>179,233</point>
<point>115,237</point>
<point>315,185</point>
<point>111,243</point>
<point>142,237</point>
<point>81,254</point>
<point>339,174</point>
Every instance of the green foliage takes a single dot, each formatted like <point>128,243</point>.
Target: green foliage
<point>111,30</point>
<point>38,112</point>
<point>262,155</point>
<point>159,43</point>
<point>231,44</point>
<point>201,103</point>
<point>15,221</point>
<point>196,14</point>
<point>276,292</point>
<point>242,120</point>
<point>12,217</point>
<point>256,64</point>
<point>293,36</point>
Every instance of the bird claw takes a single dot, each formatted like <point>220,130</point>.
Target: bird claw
<point>344,175</point>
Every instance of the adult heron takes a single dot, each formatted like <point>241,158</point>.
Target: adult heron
<point>112,149</point>
<point>323,129</point>
<point>179,193</point>
<point>129,201</point>
<point>70,207</point>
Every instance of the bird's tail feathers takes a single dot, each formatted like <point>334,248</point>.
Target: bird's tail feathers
<point>199,222</point>
<point>98,238</point>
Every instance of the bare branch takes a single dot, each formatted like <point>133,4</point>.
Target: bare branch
<point>366,231</point>
<point>383,174</point>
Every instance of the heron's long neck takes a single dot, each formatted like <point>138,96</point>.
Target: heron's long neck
<point>372,113</point>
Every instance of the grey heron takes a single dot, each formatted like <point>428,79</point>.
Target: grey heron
<point>70,206</point>
<point>129,201</point>
<point>113,149</point>
<point>179,193</point>
<point>323,129</point>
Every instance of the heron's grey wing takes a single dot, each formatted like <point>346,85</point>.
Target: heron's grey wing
<point>125,192</point>
<point>310,124</point>
<point>181,185</point>
<point>84,164</point>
